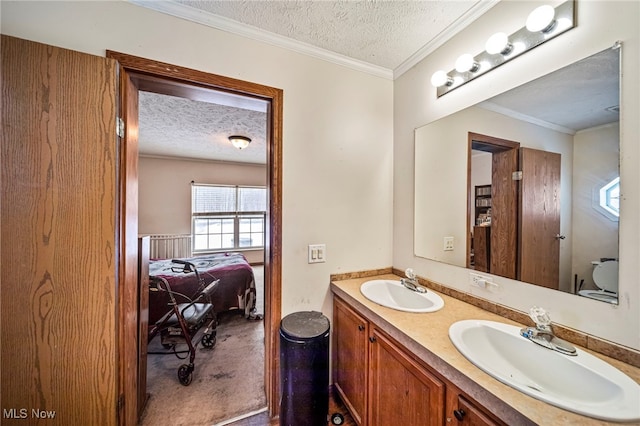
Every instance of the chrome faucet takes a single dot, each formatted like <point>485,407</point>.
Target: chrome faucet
<point>543,335</point>
<point>411,282</point>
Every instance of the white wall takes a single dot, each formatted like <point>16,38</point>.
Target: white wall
<point>441,156</point>
<point>337,131</point>
<point>440,211</point>
<point>480,170</point>
<point>595,164</point>
<point>600,24</point>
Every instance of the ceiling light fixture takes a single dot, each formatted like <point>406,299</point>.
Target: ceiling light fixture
<point>466,63</point>
<point>542,24</point>
<point>440,78</point>
<point>498,43</point>
<point>541,19</point>
<point>240,142</point>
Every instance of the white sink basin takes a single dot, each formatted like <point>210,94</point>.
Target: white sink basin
<point>583,384</point>
<point>394,295</point>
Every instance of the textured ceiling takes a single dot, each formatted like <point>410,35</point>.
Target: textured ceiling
<point>576,97</point>
<point>172,126</point>
<point>383,33</point>
<point>389,35</point>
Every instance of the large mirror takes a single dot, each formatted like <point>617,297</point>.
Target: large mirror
<point>526,184</point>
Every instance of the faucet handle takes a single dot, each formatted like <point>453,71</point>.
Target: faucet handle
<point>410,274</point>
<point>540,317</point>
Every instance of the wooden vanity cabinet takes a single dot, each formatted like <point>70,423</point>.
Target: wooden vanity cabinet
<point>377,380</point>
<point>401,391</point>
<point>383,384</point>
<point>350,359</point>
<point>462,412</point>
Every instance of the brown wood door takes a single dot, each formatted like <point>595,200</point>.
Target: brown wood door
<point>58,234</point>
<point>481,248</point>
<point>350,361</point>
<point>504,214</point>
<point>539,247</point>
<point>401,392</point>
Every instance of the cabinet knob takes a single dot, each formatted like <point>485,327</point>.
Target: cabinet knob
<point>361,327</point>
<point>372,339</point>
<point>460,413</point>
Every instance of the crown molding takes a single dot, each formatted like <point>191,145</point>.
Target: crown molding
<point>524,117</point>
<point>458,25</point>
<point>189,13</point>
<point>225,24</point>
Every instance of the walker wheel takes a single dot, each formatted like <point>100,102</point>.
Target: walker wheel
<point>209,340</point>
<point>337,419</point>
<point>185,374</point>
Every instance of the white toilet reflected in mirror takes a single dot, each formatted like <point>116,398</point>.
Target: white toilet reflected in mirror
<point>605,277</point>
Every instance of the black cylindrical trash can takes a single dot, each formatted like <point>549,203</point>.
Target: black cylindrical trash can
<point>304,369</point>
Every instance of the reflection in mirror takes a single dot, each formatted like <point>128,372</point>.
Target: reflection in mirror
<point>526,184</point>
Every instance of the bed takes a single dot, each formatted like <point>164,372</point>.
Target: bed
<point>235,292</point>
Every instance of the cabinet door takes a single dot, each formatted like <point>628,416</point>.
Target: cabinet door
<point>401,391</point>
<point>468,414</point>
<point>350,361</point>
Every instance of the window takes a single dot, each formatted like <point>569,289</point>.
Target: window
<point>227,217</point>
<point>610,197</point>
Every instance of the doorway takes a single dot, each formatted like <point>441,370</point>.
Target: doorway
<point>184,143</point>
<point>139,74</point>
<point>519,237</point>
<point>492,211</point>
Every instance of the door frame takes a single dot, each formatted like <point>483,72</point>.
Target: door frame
<point>493,145</point>
<point>150,75</point>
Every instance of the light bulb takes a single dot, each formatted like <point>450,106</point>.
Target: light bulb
<point>498,43</point>
<point>541,19</point>
<point>466,63</point>
<point>440,78</point>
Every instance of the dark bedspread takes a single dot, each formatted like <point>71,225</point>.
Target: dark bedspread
<point>236,290</point>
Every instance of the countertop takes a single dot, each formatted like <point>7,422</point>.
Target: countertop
<point>426,335</point>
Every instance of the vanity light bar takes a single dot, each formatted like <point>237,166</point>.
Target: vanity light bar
<point>542,25</point>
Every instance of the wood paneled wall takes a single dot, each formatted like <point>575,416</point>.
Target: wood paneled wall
<point>58,236</point>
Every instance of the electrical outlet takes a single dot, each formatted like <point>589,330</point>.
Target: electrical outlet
<point>480,281</point>
<point>448,243</point>
<point>317,253</point>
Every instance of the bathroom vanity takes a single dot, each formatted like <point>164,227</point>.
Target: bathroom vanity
<point>382,382</point>
<point>393,367</point>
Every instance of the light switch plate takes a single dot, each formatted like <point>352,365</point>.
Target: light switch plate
<point>317,253</point>
<point>448,244</point>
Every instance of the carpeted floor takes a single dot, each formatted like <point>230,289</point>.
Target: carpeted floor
<point>335,406</point>
<point>228,380</point>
